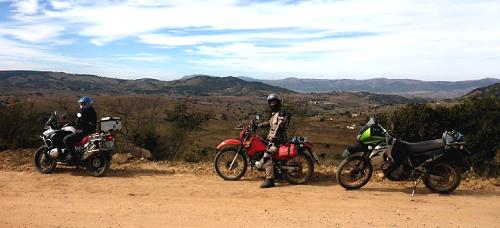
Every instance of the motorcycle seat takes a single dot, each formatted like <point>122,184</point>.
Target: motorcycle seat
<point>424,146</point>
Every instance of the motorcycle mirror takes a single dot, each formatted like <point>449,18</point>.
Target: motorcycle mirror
<point>257,117</point>
<point>78,115</point>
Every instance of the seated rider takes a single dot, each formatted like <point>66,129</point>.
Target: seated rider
<point>277,135</point>
<point>85,125</point>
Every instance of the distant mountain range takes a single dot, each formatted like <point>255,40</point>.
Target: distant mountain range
<point>200,85</point>
<point>381,91</point>
<point>406,87</point>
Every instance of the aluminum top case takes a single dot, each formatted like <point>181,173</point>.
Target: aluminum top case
<point>109,124</point>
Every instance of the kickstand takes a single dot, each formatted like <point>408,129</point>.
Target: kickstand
<point>415,187</point>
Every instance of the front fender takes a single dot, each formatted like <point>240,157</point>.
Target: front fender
<point>232,142</point>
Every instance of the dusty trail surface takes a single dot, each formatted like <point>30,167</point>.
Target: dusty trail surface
<point>153,198</point>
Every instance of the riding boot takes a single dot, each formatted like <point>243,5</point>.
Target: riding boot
<point>268,166</point>
<point>268,183</point>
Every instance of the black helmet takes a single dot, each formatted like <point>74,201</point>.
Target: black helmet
<point>274,97</point>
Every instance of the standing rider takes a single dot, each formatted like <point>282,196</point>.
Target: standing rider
<point>277,135</point>
<point>85,125</point>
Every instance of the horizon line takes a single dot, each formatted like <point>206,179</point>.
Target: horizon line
<point>249,77</point>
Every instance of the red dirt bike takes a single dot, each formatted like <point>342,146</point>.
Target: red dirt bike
<point>293,161</point>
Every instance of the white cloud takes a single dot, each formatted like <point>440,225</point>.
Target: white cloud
<point>62,4</point>
<point>31,32</point>
<point>175,40</point>
<point>144,57</point>
<point>12,50</point>
<point>18,56</point>
<point>26,6</point>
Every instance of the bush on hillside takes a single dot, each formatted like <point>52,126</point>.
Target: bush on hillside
<point>19,126</point>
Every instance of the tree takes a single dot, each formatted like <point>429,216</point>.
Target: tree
<point>183,122</point>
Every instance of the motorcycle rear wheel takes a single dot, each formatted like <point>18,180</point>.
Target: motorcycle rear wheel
<point>301,161</point>
<point>43,162</point>
<point>447,181</point>
<point>354,172</point>
<point>223,161</point>
<point>98,164</point>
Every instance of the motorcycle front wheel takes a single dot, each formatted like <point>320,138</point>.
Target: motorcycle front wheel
<point>43,162</point>
<point>354,172</point>
<point>442,178</point>
<point>301,169</point>
<point>230,165</point>
<point>98,164</point>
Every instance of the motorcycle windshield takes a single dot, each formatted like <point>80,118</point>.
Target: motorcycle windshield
<point>368,124</point>
<point>52,119</point>
<point>371,133</point>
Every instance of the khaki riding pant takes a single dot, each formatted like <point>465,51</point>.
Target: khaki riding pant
<point>268,165</point>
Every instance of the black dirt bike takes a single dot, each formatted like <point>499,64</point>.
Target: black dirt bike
<point>440,163</point>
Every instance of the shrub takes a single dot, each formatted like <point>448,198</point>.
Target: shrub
<point>19,126</point>
<point>166,138</point>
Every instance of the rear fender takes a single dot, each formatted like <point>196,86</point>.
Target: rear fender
<point>308,146</point>
<point>309,152</point>
<point>229,142</point>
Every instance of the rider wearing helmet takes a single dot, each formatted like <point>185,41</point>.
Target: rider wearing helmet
<point>277,135</point>
<point>85,125</point>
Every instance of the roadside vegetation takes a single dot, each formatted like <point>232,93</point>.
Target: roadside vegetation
<point>477,119</point>
<point>179,128</point>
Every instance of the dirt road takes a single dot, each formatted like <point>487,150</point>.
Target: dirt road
<point>151,198</point>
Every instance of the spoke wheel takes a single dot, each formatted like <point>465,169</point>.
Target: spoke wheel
<point>305,169</point>
<point>442,178</point>
<point>354,172</point>
<point>230,165</point>
<point>43,162</point>
<point>98,164</point>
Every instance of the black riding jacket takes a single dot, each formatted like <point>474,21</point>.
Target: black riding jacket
<point>88,121</point>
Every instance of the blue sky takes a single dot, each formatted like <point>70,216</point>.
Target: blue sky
<point>421,39</point>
